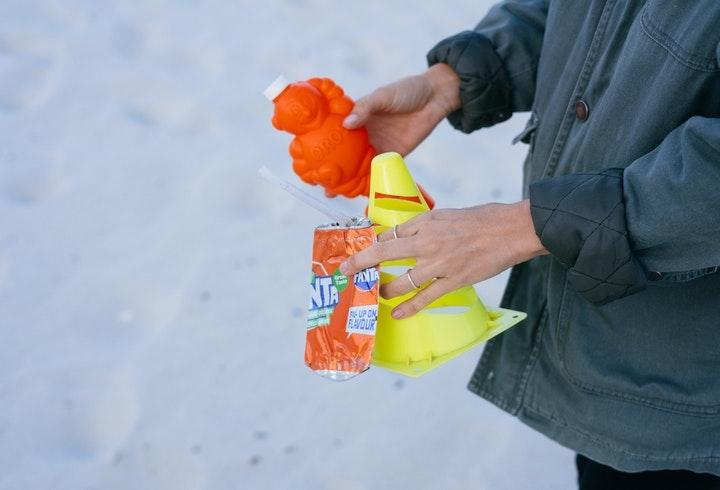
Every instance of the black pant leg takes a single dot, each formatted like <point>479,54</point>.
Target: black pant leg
<point>595,476</point>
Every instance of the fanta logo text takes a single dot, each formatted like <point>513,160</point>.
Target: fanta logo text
<point>366,279</point>
<point>324,292</point>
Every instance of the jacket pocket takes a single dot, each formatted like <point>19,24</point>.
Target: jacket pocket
<point>688,31</point>
<point>657,348</point>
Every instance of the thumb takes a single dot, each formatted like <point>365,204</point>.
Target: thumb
<point>366,107</point>
<point>359,114</point>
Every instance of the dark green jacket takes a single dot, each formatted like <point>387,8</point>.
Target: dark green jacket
<point>619,358</point>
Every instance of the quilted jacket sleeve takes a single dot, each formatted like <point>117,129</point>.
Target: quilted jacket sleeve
<point>655,220</point>
<point>580,219</point>
<point>496,62</point>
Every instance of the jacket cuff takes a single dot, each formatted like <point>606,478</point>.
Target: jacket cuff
<point>580,219</point>
<point>485,90</point>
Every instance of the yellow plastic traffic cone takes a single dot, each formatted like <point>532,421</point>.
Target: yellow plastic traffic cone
<point>451,324</point>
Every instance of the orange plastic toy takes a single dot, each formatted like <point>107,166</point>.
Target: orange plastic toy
<point>323,151</point>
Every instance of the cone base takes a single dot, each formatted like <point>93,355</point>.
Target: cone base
<point>415,367</point>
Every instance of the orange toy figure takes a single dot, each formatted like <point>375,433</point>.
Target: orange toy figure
<point>323,151</point>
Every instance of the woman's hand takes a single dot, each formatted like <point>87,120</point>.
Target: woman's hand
<point>453,248</point>
<point>399,116</point>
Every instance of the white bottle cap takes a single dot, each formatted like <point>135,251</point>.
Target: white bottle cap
<point>276,88</point>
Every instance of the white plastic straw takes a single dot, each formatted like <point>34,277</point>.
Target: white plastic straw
<point>301,195</point>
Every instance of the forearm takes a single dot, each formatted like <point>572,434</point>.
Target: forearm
<point>445,84</point>
<point>520,234</point>
<point>672,201</point>
<point>516,29</point>
<point>495,63</point>
<point>654,220</point>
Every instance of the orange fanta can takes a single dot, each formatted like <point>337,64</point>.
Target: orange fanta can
<point>342,314</point>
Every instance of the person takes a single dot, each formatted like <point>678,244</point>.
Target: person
<point>615,247</point>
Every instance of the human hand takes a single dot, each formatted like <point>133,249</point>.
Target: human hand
<point>453,248</point>
<point>399,116</point>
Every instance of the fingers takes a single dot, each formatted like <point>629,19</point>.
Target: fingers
<point>366,106</point>
<point>423,298</point>
<point>404,230</point>
<point>380,252</point>
<point>402,284</point>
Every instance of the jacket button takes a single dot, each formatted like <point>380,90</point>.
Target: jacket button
<point>582,111</point>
